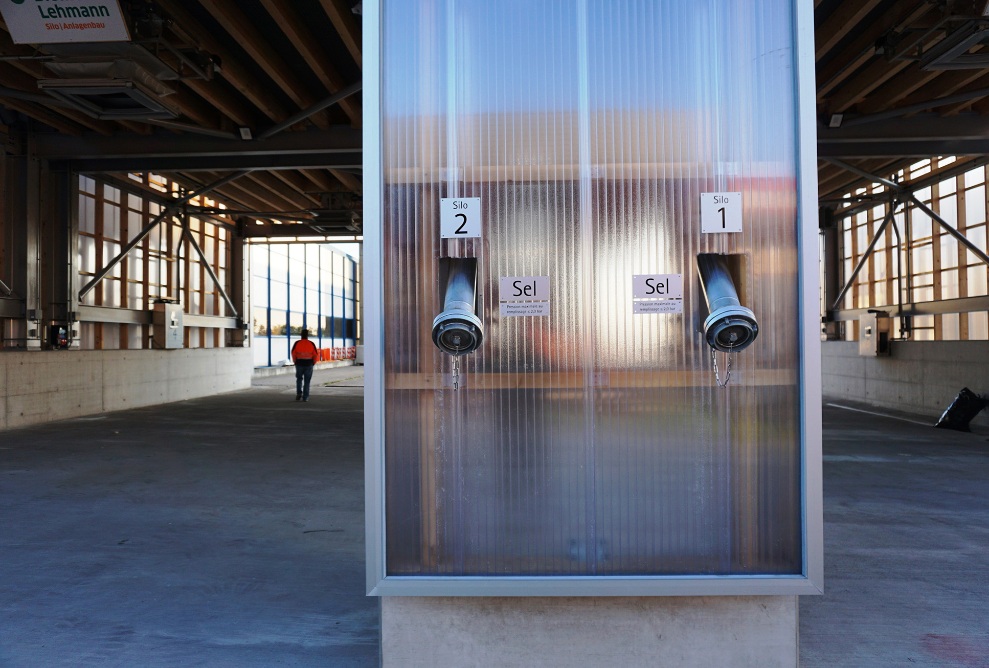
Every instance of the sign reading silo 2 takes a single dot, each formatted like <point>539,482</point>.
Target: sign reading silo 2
<point>59,21</point>
<point>460,217</point>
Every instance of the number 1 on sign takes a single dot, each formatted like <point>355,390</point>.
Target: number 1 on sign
<point>721,212</point>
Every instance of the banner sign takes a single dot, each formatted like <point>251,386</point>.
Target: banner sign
<point>60,21</point>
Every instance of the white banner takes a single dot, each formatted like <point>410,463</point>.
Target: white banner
<point>60,21</point>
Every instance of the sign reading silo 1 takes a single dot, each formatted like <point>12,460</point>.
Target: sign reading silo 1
<point>590,306</point>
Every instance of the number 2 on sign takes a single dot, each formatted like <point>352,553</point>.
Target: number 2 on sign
<point>460,217</point>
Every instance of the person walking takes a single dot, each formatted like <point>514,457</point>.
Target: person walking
<point>304,354</point>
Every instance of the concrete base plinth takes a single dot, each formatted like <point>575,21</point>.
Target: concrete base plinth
<point>757,631</point>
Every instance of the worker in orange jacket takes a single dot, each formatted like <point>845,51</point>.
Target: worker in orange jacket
<point>304,354</point>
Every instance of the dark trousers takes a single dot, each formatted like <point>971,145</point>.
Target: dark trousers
<point>303,375</point>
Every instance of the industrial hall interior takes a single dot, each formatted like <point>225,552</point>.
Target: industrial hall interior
<point>633,320</point>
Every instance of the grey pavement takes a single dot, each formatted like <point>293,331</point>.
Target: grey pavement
<point>225,531</point>
<point>228,531</point>
<point>906,547</point>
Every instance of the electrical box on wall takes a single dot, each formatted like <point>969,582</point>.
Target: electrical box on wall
<point>593,355</point>
<point>874,329</point>
<point>167,327</point>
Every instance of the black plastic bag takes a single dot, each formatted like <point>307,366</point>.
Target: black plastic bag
<point>961,411</point>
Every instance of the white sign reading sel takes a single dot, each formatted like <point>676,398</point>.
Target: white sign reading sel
<point>721,212</point>
<point>523,295</point>
<point>460,217</point>
<point>34,22</point>
<point>657,293</point>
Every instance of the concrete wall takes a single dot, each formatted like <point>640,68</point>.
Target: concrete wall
<point>54,385</point>
<point>920,377</point>
<point>757,632</point>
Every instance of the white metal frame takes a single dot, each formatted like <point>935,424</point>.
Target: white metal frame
<point>379,583</point>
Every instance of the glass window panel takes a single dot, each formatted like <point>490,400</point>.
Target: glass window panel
<point>259,291</point>
<point>949,252</point>
<point>259,259</point>
<point>312,300</point>
<point>279,295</point>
<point>111,194</point>
<point>923,258</point>
<point>279,323</point>
<point>259,321</point>
<point>978,326</point>
<point>87,214</point>
<point>923,328</point>
<point>135,296</point>
<point>112,293</point>
<point>949,327</point>
<point>279,263</point>
<point>977,281</point>
<point>111,221</point>
<point>949,284</point>
<point>920,223</point>
<point>296,322</point>
<point>978,238</point>
<point>87,254</point>
<point>975,206</point>
<point>297,296</point>
<point>975,176</point>
<point>87,185</point>
<point>948,210</point>
<point>110,250</point>
<point>946,187</point>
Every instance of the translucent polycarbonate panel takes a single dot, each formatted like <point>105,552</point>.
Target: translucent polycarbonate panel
<point>592,439</point>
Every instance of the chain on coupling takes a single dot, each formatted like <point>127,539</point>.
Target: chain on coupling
<point>456,372</point>
<point>717,375</point>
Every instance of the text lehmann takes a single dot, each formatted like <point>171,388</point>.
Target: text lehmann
<point>62,12</point>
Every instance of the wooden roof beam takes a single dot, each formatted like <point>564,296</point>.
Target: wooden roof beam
<point>254,43</point>
<point>311,51</point>
<point>848,15</point>
<point>231,69</point>
<point>343,20</point>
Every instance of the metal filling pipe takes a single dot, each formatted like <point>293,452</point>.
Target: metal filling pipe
<point>458,330</point>
<point>730,327</point>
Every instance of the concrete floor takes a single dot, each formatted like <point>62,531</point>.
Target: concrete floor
<point>906,547</point>
<point>229,532</point>
<point>226,531</point>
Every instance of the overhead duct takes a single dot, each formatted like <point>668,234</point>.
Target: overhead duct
<point>115,90</point>
<point>110,82</point>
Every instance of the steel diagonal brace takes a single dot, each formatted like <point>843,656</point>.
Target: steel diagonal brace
<point>867,254</point>
<point>209,270</point>
<point>168,211</point>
